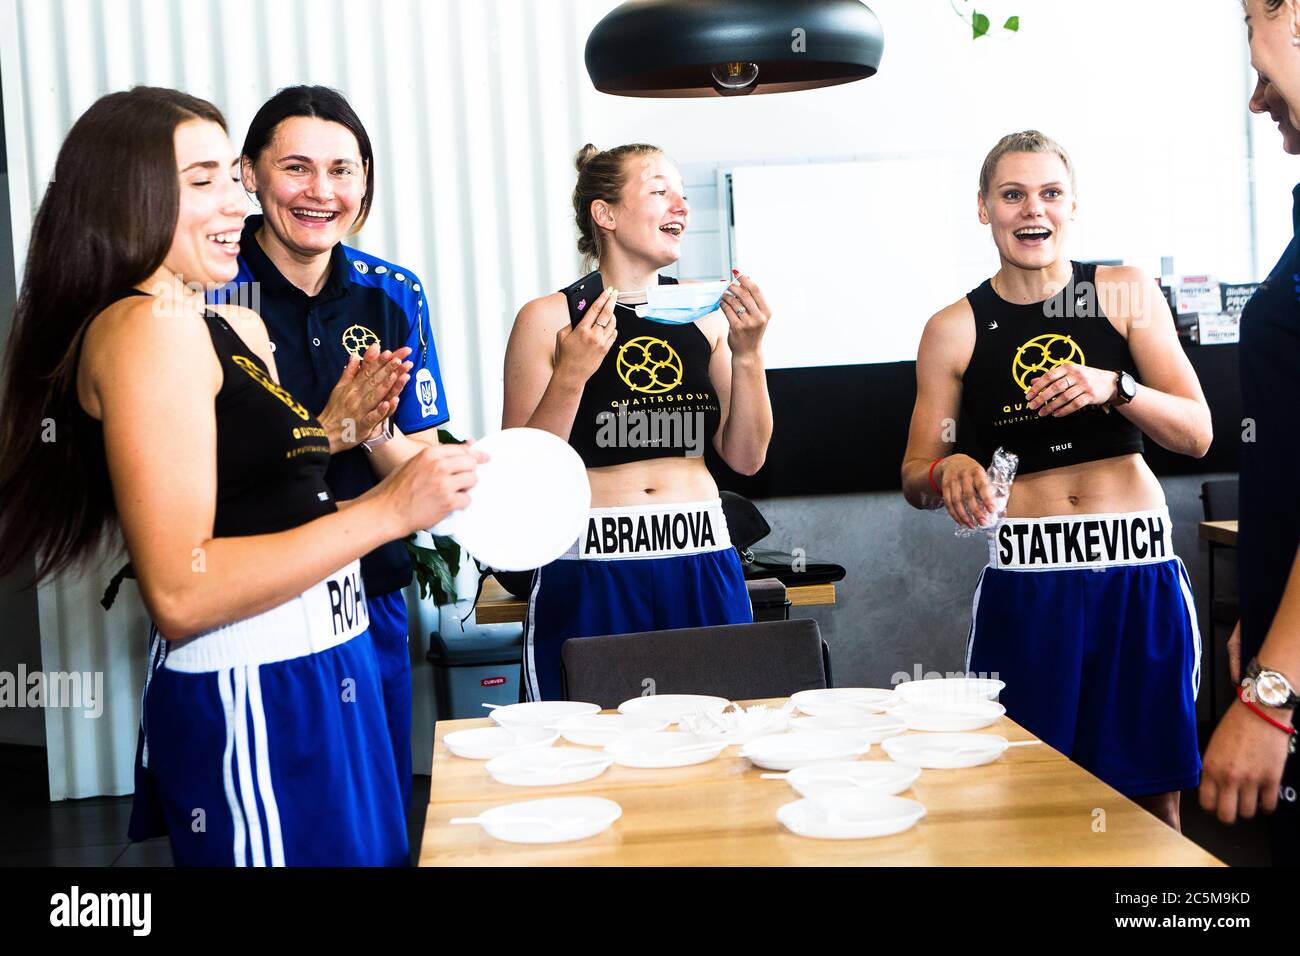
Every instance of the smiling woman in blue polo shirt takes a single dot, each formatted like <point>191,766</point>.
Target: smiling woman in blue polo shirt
<point>308,160</point>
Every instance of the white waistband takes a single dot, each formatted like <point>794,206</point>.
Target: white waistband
<point>1082,541</point>
<point>325,615</point>
<point>652,531</point>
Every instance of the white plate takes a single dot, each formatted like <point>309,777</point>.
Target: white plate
<point>971,715</point>
<point>815,703</point>
<point>787,751</point>
<point>850,816</point>
<point>540,713</point>
<point>873,727</point>
<point>945,751</point>
<point>549,767</point>
<point>530,502</point>
<point>949,691</point>
<point>860,776</point>
<point>554,820</point>
<point>668,749</point>
<point>484,743</point>
<point>735,726</point>
<point>670,707</point>
<point>597,730</point>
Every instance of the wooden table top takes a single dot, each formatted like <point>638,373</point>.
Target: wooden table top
<point>498,606</point>
<point>1220,532</point>
<point>1031,807</point>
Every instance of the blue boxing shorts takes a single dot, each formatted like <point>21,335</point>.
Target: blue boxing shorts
<point>1090,621</point>
<point>388,633</point>
<point>265,742</point>
<point>644,568</point>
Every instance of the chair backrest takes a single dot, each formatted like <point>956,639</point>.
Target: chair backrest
<point>735,661</point>
<point>1220,499</point>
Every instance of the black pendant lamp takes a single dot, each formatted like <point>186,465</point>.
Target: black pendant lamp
<point>671,48</point>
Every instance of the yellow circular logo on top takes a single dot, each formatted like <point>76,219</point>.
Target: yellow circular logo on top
<point>1042,354</point>
<point>650,365</point>
<point>358,338</point>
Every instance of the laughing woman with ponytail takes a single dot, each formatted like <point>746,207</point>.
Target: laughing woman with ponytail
<point>582,364</point>
<point>264,716</point>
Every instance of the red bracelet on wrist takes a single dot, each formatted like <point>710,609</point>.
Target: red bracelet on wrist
<point>937,490</point>
<point>1285,728</point>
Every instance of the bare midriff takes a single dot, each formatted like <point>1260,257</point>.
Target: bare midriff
<point>656,481</point>
<point>1109,486</point>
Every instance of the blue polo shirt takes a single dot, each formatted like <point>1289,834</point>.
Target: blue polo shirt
<point>365,299</point>
<point>1270,508</point>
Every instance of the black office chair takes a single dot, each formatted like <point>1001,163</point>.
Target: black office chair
<point>1220,502</point>
<point>735,661</point>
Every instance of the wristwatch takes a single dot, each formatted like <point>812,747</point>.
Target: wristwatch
<point>386,433</point>
<point>1271,688</point>
<point>1126,387</point>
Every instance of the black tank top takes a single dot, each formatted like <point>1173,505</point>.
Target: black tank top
<point>651,397</point>
<point>271,452</point>
<point>1014,344</point>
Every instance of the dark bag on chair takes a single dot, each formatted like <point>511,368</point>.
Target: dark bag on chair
<point>747,527</point>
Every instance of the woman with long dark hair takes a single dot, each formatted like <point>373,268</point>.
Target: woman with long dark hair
<point>264,717</point>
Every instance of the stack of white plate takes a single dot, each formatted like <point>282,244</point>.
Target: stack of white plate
<point>949,717</point>
<point>873,727</point>
<point>541,713</point>
<point>597,730</point>
<point>948,691</point>
<point>816,703</point>
<point>666,749</point>
<point>551,767</point>
<point>862,776</point>
<point>670,707</point>
<point>554,820</point>
<point>945,751</point>
<point>845,815</point>
<point>797,749</point>
<point>484,743</point>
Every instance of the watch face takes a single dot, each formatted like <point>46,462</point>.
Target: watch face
<point>1271,690</point>
<point>1127,386</point>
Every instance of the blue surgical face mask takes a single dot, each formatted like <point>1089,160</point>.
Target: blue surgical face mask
<point>682,303</point>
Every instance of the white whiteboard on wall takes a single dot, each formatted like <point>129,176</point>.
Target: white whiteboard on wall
<point>854,257</point>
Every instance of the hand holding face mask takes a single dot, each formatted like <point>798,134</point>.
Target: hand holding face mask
<point>682,303</point>
<point>747,316</point>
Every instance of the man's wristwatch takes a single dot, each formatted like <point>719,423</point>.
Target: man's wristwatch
<point>1125,389</point>
<point>386,433</point>
<point>1270,688</point>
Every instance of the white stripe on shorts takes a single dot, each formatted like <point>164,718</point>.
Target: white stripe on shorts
<point>227,769</point>
<point>273,834</point>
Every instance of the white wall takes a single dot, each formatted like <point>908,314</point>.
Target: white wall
<point>1148,98</point>
<point>477,107</point>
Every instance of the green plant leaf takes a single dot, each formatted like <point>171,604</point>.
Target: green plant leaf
<point>980,24</point>
<point>1012,24</point>
<point>447,438</point>
<point>436,568</point>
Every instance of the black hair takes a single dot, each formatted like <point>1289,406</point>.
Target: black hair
<point>320,102</point>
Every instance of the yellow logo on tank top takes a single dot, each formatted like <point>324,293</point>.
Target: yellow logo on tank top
<point>358,338</point>
<point>261,378</point>
<point>1042,354</point>
<point>649,365</point>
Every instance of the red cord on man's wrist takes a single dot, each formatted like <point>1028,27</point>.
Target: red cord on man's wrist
<point>937,490</point>
<point>1285,728</point>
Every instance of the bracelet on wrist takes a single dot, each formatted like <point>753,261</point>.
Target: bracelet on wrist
<point>937,490</point>
<point>1285,728</point>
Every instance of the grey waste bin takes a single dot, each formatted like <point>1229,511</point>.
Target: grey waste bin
<point>476,666</point>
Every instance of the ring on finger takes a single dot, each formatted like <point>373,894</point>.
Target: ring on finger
<point>602,325</point>
<point>741,310</point>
